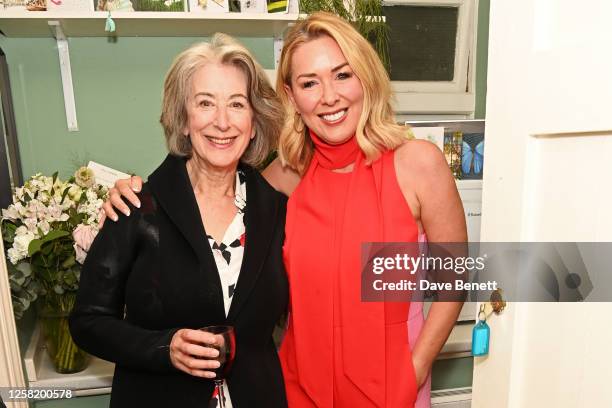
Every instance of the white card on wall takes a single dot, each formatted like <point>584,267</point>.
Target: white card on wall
<point>294,6</point>
<point>434,134</point>
<point>104,175</point>
<point>12,5</point>
<point>253,6</point>
<point>70,5</point>
<point>209,6</point>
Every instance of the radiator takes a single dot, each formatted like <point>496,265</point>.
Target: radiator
<point>452,398</point>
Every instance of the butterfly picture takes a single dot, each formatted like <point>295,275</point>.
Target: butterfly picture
<point>472,155</point>
<point>461,141</point>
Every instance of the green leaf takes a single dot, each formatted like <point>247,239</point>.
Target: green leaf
<point>64,194</point>
<point>26,304</point>
<point>8,231</point>
<point>15,286</point>
<point>18,311</point>
<point>46,248</point>
<point>70,279</point>
<point>36,244</point>
<point>12,269</point>
<point>54,177</point>
<point>35,288</point>
<point>18,277</point>
<point>70,261</point>
<point>24,268</point>
<point>38,262</point>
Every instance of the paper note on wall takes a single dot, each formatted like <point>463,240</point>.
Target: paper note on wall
<point>105,175</point>
<point>434,134</point>
<point>70,5</point>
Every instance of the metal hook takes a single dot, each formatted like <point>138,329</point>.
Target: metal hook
<point>497,301</point>
<point>483,313</point>
<point>496,304</point>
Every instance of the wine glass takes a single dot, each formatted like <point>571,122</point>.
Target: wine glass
<point>225,343</point>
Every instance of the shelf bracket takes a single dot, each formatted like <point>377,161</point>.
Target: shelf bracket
<point>66,72</point>
<point>278,48</point>
<point>279,42</point>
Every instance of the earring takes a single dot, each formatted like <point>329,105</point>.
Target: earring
<point>297,119</point>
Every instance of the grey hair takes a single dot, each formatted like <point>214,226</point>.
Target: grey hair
<point>267,110</point>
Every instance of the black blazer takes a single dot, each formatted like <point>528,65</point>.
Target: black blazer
<point>152,273</point>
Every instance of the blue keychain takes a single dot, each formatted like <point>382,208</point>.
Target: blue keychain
<point>110,24</point>
<point>481,334</point>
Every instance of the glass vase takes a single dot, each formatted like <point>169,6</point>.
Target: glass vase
<point>53,313</point>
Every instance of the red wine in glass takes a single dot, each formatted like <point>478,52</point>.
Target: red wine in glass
<point>225,343</point>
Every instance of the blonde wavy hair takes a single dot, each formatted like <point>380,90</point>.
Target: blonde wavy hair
<point>377,130</point>
<point>223,49</point>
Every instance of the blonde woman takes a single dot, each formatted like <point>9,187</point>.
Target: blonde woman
<point>352,176</point>
<point>203,249</point>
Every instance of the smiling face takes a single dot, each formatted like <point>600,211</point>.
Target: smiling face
<point>219,115</point>
<point>325,91</point>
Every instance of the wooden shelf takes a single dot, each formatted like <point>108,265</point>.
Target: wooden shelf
<point>20,23</point>
<point>469,184</point>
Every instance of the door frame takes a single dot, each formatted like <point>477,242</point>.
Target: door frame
<point>11,364</point>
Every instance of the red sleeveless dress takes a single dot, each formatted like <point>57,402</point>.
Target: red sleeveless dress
<point>338,351</point>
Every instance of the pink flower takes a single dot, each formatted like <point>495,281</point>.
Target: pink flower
<point>80,254</point>
<point>83,237</point>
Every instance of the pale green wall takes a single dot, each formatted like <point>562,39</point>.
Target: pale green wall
<point>452,373</point>
<point>117,87</point>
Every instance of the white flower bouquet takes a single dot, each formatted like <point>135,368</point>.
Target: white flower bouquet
<point>47,232</point>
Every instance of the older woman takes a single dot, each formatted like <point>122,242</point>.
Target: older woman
<point>204,248</point>
<point>352,177</point>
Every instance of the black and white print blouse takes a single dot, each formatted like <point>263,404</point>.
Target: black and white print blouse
<point>228,256</point>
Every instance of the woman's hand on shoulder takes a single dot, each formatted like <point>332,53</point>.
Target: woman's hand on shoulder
<point>188,353</point>
<point>126,188</point>
<point>283,179</point>
<point>422,169</point>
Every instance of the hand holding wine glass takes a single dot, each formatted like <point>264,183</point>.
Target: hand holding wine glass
<point>224,341</point>
<point>189,353</point>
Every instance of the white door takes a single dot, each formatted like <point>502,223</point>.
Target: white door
<point>548,177</point>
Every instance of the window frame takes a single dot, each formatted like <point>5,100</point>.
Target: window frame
<point>444,97</point>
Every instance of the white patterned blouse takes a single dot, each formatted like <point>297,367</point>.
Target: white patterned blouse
<point>228,256</point>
